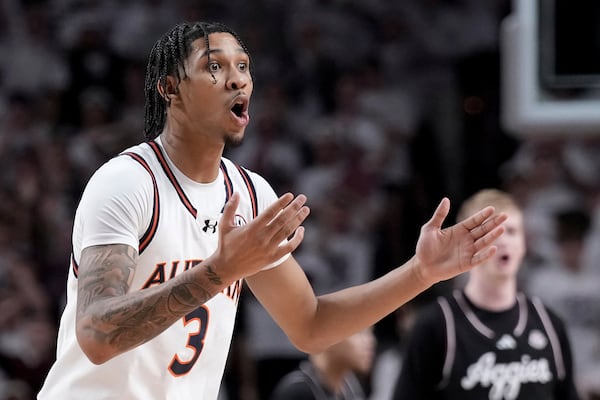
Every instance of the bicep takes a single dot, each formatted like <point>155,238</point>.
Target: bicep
<point>104,271</point>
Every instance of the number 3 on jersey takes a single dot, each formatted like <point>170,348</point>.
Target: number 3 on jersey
<point>195,342</point>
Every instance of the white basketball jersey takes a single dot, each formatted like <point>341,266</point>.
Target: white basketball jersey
<point>174,225</point>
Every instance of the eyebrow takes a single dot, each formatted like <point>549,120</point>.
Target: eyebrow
<point>218,51</point>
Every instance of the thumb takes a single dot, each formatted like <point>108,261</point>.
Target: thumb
<point>440,214</point>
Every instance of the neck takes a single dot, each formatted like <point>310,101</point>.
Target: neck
<point>198,159</point>
<point>492,296</point>
<point>330,374</point>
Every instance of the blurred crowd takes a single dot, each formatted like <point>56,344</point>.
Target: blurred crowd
<point>373,109</point>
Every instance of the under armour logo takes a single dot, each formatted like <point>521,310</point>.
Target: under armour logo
<point>208,225</point>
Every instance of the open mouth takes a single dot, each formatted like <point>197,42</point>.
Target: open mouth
<point>238,109</point>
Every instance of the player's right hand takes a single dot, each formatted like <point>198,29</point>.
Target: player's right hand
<point>275,232</point>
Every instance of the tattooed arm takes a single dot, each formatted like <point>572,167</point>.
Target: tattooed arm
<point>112,320</point>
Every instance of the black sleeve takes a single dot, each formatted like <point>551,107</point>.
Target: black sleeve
<point>293,386</point>
<point>565,388</point>
<point>423,356</point>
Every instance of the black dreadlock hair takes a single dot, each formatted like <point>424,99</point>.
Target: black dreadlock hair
<point>166,59</point>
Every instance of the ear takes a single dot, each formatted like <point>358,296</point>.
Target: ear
<point>169,90</point>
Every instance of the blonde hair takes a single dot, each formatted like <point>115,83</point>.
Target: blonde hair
<point>500,200</point>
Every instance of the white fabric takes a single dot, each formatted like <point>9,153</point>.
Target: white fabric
<point>116,207</point>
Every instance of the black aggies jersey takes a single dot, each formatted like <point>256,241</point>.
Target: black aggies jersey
<point>468,353</point>
<point>520,362</point>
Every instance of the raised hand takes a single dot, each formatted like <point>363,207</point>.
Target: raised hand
<point>445,253</point>
<point>244,250</point>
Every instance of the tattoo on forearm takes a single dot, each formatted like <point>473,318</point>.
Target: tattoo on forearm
<point>183,298</point>
<point>212,275</point>
<point>105,275</point>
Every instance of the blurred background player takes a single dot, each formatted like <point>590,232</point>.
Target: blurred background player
<point>489,340</point>
<point>336,373</point>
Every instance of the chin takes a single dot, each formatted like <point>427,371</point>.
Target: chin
<point>507,272</point>
<point>235,140</point>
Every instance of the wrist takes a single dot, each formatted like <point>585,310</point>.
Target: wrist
<point>419,272</point>
<point>215,271</point>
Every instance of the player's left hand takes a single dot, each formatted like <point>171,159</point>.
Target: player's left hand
<point>445,253</point>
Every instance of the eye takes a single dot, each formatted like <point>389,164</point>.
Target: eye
<point>243,66</point>
<point>214,67</point>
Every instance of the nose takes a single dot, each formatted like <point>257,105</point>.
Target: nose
<point>237,80</point>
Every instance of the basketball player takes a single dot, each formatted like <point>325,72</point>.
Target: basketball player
<point>331,374</point>
<point>166,231</point>
<point>489,341</point>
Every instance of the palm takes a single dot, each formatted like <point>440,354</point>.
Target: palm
<point>445,253</point>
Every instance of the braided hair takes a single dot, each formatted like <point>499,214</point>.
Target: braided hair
<point>167,59</point>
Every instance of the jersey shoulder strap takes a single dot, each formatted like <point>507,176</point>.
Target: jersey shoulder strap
<point>245,175</point>
<point>450,341</point>
<point>151,230</point>
<point>557,350</point>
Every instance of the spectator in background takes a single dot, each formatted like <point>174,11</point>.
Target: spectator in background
<point>27,330</point>
<point>332,374</point>
<point>94,68</point>
<point>572,290</point>
<point>388,362</point>
<point>137,24</point>
<point>31,62</point>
